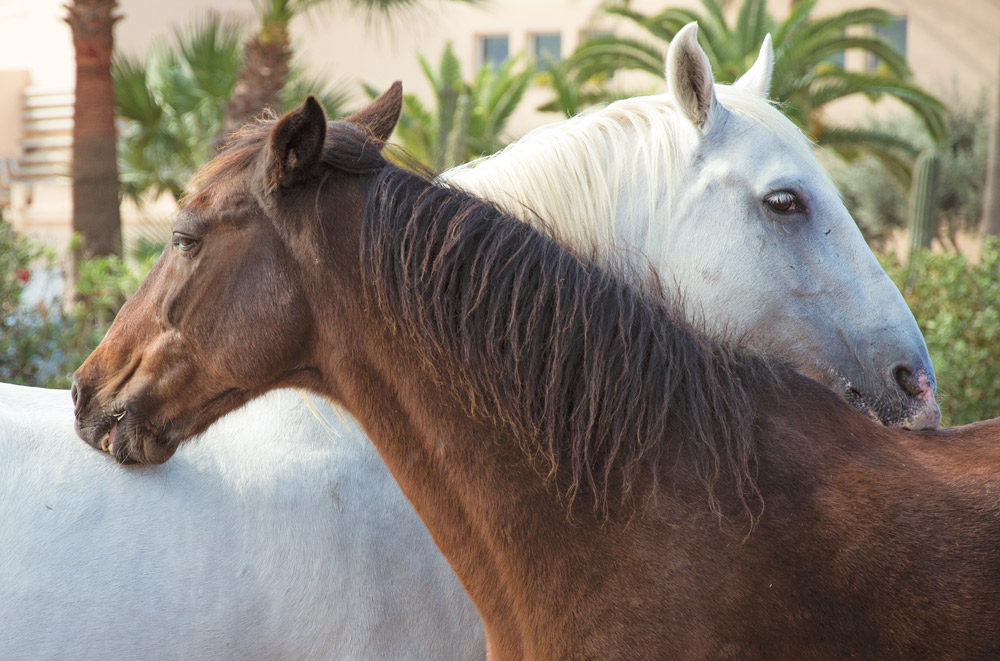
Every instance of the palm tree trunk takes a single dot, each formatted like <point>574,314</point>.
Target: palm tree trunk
<point>262,76</point>
<point>991,194</point>
<point>96,216</point>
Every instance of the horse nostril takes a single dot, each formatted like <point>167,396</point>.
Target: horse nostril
<point>79,395</point>
<point>908,382</point>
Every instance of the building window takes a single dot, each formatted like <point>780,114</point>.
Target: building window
<point>493,49</point>
<point>895,34</point>
<point>548,48</point>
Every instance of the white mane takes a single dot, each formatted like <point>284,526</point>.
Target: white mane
<point>583,178</point>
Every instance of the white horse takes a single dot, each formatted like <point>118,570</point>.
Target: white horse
<point>723,195</point>
<point>275,537</point>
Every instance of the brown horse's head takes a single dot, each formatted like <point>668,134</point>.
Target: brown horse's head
<point>223,317</point>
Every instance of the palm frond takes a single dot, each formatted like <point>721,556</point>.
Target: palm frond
<point>209,49</point>
<point>752,23</point>
<point>797,19</point>
<point>714,20</point>
<point>133,98</point>
<point>334,97</point>
<point>895,153</point>
<point>603,55</point>
<point>929,109</point>
<point>663,25</point>
<point>809,52</point>
<point>851,18</point>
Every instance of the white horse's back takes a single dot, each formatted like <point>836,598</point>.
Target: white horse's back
<point>269,539</point>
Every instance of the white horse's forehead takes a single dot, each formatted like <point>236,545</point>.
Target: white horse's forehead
<point>760,149</point>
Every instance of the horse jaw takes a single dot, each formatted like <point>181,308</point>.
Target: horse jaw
<point>689,80</point>
<point>757,79</point>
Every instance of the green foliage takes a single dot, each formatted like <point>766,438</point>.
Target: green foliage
<point>171,103</point>
<point>42,346</point>
<point>957,305</point>
<point>572,95</point>
<point>17,255</point>
<point>300,84</point>
<point>467,119</point>
<point>20,346</point>
<point>877,197</point>
<point>804,80</point>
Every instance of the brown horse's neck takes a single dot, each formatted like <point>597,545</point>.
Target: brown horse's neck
<point>442,461</point>
<point>501,378</point>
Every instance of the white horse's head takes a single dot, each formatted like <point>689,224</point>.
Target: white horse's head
<point>775,246</point>
<point>723,194</point>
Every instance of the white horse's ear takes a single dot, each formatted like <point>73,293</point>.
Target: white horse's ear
<point>757,79</point>
<point>689,78</point>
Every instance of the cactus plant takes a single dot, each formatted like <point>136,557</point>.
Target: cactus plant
<point>923,200</point>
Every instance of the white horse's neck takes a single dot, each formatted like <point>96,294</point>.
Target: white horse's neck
<point>596,182</point>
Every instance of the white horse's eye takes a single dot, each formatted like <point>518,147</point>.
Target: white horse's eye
<point>784,202</point>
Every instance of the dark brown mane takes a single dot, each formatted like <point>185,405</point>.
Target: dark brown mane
<point>590,376</point>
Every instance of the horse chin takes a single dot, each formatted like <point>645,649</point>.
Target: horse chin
<point>923,413</point>
<point>132,444</point>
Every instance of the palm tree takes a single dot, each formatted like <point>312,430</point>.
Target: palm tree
<point>171,104</point>
<point>468,119</point>
<point>96,217</point>
<point>267,54</point>
<point>805,78</point>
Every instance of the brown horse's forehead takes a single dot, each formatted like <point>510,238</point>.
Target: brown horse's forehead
<point>211,194</point>
<point>190,219</point>
<point>216,205</point>
<point>199,200</point>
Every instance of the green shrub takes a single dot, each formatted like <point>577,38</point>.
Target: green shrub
<point>41,346</point>
<point>25,334</point>
<point>957,305</point>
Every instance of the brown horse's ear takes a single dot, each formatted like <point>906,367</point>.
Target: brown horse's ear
<point>296,145</point>
<point>380,116</point>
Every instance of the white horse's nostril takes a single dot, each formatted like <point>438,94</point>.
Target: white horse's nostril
<point>914,385</point>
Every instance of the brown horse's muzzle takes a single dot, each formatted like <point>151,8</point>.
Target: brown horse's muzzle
<point>118,428</point>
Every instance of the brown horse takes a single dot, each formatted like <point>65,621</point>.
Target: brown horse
<point>607,483</point>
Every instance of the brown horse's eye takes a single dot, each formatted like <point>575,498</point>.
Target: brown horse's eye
<point>784,202</point>
<point>184,243</point>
